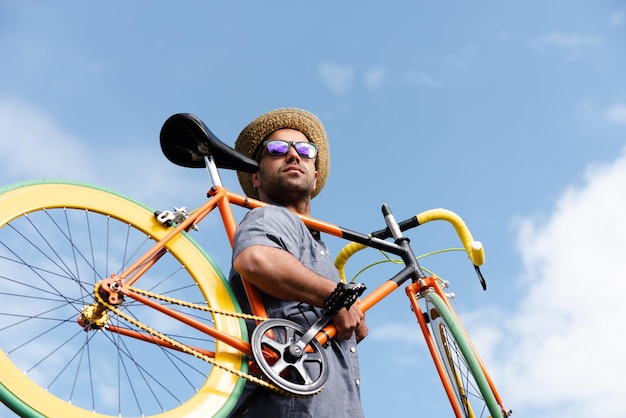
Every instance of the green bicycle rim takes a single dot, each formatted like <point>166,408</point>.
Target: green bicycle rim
<point>468,352</point>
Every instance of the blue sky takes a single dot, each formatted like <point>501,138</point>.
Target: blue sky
<point>511,114</point>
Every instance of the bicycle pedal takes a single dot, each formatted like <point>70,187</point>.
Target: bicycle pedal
<point>344,296</point>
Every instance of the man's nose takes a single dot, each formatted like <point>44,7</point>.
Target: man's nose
<point>292,153</point>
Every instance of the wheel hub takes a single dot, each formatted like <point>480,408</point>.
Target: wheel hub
<point>93,316</point>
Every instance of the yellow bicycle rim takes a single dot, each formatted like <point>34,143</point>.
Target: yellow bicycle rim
<point>216,392</point>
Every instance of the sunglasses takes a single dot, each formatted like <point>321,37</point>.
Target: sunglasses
<point>279,147</point>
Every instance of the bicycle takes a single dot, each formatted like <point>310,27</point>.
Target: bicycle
<point>79,337</point>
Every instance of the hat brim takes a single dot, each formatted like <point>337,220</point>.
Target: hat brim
<point>285,118</point>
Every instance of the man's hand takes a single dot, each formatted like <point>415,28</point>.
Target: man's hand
<point>349,322</point>
<point>361,331</point>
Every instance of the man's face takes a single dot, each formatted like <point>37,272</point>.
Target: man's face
<point>286,178</point>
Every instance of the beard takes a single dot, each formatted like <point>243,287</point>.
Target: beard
<point>284,187</point>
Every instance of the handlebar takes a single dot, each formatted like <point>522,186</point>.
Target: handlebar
<point>474,249</point>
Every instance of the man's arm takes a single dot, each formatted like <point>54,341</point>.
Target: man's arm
<point>279,274</point>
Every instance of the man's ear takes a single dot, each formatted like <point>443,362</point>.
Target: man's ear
<point>255,179</point>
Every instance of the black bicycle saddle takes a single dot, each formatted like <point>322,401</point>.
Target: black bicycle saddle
<point>185,141</point>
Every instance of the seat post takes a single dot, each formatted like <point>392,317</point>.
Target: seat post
<point>212,170</point>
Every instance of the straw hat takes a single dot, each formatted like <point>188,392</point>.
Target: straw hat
<point>284,118</point>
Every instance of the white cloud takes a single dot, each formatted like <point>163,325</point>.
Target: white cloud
<point>617,18</point>
<point>338,78</point>
<point>373,78</point>
<point>462,59</point>
<point>573,45</point>
<point>599,115</point>
<point>617,113</point>
<point>421,78</point>
<point>341,79</point>
<point>559,351</point>
<point>561,40</point>
<point>33,145</point>
<point>404,333</point>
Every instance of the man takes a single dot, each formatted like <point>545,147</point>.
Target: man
<point>288,263</point>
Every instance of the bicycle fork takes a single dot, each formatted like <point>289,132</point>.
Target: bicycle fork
<point>415,291</point>
<point>412,292</point>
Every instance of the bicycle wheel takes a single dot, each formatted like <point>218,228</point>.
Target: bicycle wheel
<point>57,239</point>
<point>474,396</point>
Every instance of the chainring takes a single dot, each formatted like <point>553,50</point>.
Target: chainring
<point>302,375</point>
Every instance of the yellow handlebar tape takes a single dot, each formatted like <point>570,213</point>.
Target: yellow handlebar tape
<point>474,249</point>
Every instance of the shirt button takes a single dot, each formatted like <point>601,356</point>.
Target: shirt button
<point>353,349</point>
<point>323,252</point>
<point>358,382</point>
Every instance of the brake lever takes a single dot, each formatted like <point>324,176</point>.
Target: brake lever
<point>481,278</point>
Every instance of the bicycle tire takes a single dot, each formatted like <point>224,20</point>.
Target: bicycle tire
<point>473,393</point>
<point>57,239</point>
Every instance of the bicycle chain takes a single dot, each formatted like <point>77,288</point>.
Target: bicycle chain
<point>195,305</point>
<point>184,348</point>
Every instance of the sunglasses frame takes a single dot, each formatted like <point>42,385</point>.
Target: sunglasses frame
<point>290,144</point>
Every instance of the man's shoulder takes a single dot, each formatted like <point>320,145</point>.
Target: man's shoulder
<point>271,211</point>
<point>270,224</point>
<point>271,218</point>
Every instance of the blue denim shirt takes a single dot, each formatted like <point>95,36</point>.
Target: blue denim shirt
<point>277,227</point>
